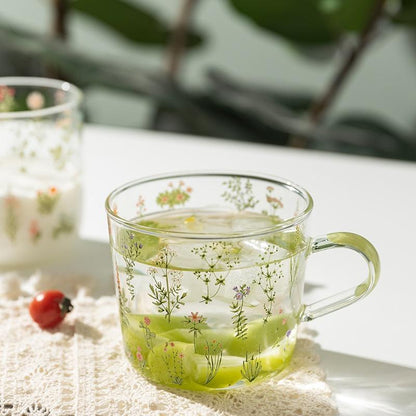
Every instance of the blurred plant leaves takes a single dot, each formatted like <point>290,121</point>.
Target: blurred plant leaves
<point>367,135</point>
<point>225,108</point>
<point>297,20</point>
<point>86,71</point>
<point>351,15</point>
<point>308,22</point>
<point>253,114</point>
<point>407,13</point>
<point>130,21</point>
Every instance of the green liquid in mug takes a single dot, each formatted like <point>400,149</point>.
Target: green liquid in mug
<point>209,315</point>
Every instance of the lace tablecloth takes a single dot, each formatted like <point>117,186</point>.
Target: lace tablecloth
<point>79,368</point>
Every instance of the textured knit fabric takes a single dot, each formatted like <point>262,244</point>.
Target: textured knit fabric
<point>79,368</point>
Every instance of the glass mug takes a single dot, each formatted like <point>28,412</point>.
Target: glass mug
<point>209,273</point>
<point>40,192</point>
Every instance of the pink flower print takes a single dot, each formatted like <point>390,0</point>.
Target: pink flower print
<point>170,184</point>
<point>181,355</point>
<point>35,100</point>
<point>140,201</point>
<point>164,199</point>
<point>181,183</point>
<point>270,188</point>
<point>139,354</point>
<point>6,92</point>
<point>180,197</point>
<point>146,320</point>
<point>273,200</point>
<point>34,230</point>
<point>189,189</point>
<point>172,344</point>
<point>284,321</point>
<point>195,317</point>
<point>280,311</point>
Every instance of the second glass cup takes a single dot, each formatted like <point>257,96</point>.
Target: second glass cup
<point>40,187</point>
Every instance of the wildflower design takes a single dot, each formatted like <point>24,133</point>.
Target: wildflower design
<point>124,310</point>
<point>166,289</point>
<point>130,251</point>
<point>148,334</point>
<point>220,257</point>
<point>173,360</point>
<point>64,226</point>
<point>239,193</point>
<point>274,202</point>
<point>46,201</point>
<point>237,308</point>
<point>195,321</point>
<point>7,100</point>
<point>251,367</point>
<point>140,356</point>
<point>213,355</point>
<point>34,231</point>
<point>11,223</point>
<point>269,271</point>
<point>140,206</point>
<point>174,195</point>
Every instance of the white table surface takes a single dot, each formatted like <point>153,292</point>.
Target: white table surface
<point>372,197</point>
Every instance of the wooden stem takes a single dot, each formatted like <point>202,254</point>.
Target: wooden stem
<point>321,106</point>
<point>177,42</point>
<point>59,23</point>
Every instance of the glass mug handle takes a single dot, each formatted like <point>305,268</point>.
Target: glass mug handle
<point>347,297</point>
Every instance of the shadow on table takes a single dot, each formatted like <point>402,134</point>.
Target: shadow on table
<point>367,388</point>
<point>361,387</point>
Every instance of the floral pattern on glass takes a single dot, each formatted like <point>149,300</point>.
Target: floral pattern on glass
<point>251,367</point>
<point>239,318</point>
<point>195,321</point>
<point>148,334</point>
<point>213,355</point>
<point>174,195</point>
<point>273,200</point>
<point>34,231</point>
<point>166,289</point>
<point>7,98</point>
<point>140,206</point>
<point>173,359</point>
<point>65,226</point>
<point>212,254</point>
<point>11,219</point>
<point>269,272</point>
<point>240,193</point>
<point>47,200</point>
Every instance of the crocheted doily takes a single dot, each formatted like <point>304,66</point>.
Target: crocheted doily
<point>79,368</point>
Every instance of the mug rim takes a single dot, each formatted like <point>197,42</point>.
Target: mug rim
<point>41,82</point>
<point>287,223</point>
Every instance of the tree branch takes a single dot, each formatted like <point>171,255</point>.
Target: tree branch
<point>321,106</point>
<point>177,42</point>
<point>59,23</point>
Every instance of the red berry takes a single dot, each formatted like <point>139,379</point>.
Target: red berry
<point>49,308</point>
